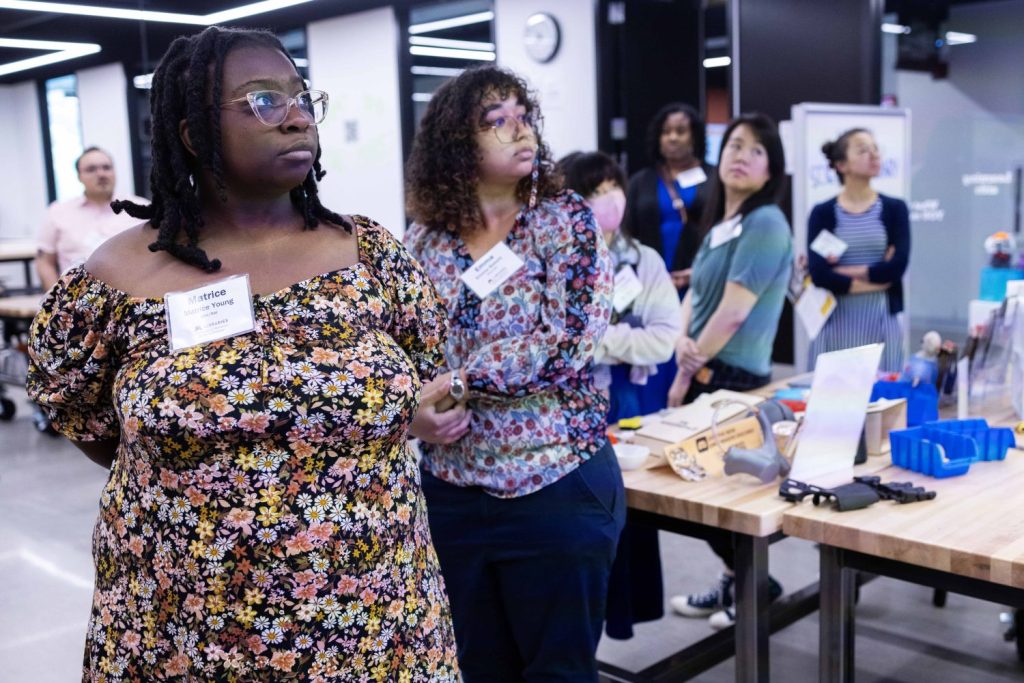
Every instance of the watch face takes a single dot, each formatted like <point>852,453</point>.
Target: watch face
<point>541,37</point>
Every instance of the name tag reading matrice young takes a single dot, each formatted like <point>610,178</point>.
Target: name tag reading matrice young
<point>493,268</point>
<point>209,313</point>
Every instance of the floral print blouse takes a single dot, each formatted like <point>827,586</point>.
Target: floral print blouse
<point>263,519</point>
<point>527,349</point>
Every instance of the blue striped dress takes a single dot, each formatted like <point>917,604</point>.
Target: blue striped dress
<point>861,319</point>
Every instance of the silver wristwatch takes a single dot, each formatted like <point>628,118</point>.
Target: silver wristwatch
<point>457,388</point>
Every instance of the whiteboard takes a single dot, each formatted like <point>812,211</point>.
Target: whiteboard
<point>815,124</point>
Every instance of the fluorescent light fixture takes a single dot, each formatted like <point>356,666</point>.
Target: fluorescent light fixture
<point>422,96</point>
<point>715,62</point>
<point>449,53</point>
<point>454,22</point>
<point>957,38</point>
<point>895,28</point>
<point>149,15</point>
<point>61,52</point>
<point>457,44</point>
<point>445,71</point>
<point>145,81</point>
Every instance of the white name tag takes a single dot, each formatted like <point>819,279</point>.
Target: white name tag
<point>691,177</point>
<point>827,244</point>
<point>726,232</point>
<point>627,288</point>
<point>493,268</point>
<point>209,313</point>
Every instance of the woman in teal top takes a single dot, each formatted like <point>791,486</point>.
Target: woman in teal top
<point>731,312</point>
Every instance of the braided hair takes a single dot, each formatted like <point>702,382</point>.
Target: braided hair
<point>180,86</point>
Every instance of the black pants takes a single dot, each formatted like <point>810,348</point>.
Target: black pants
<point>528,577</point>
<point>725,376</point>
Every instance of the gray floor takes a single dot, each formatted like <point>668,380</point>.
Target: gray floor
<point>48,498</point>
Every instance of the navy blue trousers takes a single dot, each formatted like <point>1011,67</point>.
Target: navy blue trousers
<point>527,577</point>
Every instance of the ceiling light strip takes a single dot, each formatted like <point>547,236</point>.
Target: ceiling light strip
<point>79,50</point>
<point>446,42</point>
<point>151,15</point>
<point>453,22</point>
<point>449,53</point>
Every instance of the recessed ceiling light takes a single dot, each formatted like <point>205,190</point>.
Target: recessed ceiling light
<point>150,15</point>
<point>62,51</point>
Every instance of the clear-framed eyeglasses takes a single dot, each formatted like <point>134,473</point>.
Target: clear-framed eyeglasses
<point>271,106</point>
<point>506,128</point>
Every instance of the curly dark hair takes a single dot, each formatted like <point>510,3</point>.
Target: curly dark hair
<point>443,168</point>
<point>698,131</point>
<point>182,88</point>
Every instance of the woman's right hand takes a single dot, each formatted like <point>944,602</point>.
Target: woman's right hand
<point>440,419</point>
<point>688,355</point>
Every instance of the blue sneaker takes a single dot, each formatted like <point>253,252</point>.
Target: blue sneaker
<point>715,599</point>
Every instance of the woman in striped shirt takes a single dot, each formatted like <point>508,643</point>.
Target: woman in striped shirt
<point>867,277</point>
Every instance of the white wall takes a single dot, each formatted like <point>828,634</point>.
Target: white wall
<point>103,100</point>
<point>23,194</point>
<point>567,85</point>
<point>969,123</point>
<point>354,58</point>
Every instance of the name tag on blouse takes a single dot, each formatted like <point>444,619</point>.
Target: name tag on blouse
<point>209,313</point>
<point>726,231</point>
<point>492,270</point>
<point>694,176</point>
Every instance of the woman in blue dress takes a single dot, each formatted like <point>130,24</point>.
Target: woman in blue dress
<point>664,204</point>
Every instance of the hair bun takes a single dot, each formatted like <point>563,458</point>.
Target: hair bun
<point>828,148</point>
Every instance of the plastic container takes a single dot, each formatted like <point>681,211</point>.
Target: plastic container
<point>631,456</point>
<point>922,400</point>
<point>993,442</point>
<point>938,454</point>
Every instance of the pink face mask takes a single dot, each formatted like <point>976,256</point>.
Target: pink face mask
<point>608,209</point>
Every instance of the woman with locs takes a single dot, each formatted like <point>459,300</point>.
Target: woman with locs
<point>263,517</point>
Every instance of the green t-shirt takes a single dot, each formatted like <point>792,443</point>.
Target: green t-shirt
<point>760,260</point>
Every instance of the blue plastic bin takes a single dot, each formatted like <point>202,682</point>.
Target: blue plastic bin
<point>922,400</point>
<point>938,454</point>
<point>993,442</point>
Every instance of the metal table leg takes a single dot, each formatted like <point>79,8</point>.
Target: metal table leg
<point>752,625</point>
<point>836,627</point>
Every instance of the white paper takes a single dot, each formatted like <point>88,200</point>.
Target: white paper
<point>491,271</point>
<point>691,177</point>
<point>835,414</point>
<point>627,288</point>
<point>726,232</point>
<point>827,244</point>
<point>215,311</point>
<point>678,424</point>
<point>813,309</point>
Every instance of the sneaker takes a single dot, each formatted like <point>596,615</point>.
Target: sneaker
<point>710,601</point>
<point>726,617</point>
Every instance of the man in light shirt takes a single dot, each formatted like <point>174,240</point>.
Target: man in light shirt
<point>74,228</point>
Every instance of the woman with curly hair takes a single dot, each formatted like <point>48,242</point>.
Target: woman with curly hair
<point>526,508</point>
<point>263,519</point>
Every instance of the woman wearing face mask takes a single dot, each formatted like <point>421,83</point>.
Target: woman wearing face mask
<point>644,328</point>
<point>867,277</point>
<point>731,312</point>
<point>526,508</point>
<point>664,205</point>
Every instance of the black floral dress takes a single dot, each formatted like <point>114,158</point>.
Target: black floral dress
<point>263,520</point>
